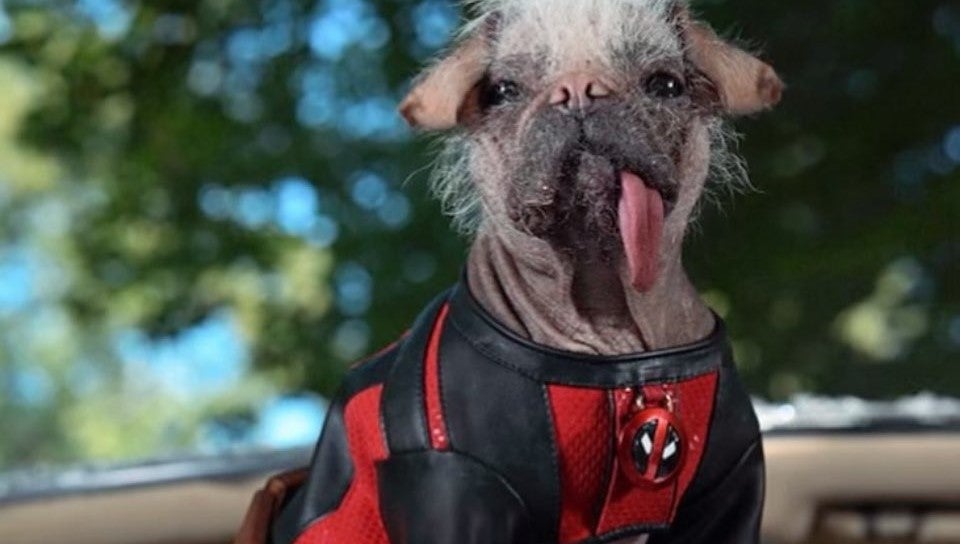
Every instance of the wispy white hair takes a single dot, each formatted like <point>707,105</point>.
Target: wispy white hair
<point>573,31</point>
<point>452,183</point>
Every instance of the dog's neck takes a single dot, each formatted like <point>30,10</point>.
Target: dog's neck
<point>585,306</point>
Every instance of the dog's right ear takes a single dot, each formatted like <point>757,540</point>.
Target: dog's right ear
<point>440,94</point>
<point>744,83</point>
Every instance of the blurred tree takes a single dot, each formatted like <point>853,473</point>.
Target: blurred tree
<point>841,276</point>
<point>177,164</point>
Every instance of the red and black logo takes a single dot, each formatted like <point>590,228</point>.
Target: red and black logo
<point>652,447</point>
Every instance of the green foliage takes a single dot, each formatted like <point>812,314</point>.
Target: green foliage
<point>841,274</point>
<point>130,138</point>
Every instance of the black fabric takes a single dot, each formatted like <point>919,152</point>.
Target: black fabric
<point>502,346</point>
<point>729,513</point>
<point>448,498</point>
<point>405,423</point>
<point>503,419</point>
<point>500,481</point>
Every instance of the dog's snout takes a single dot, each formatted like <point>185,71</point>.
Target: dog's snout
<point>577,92</point>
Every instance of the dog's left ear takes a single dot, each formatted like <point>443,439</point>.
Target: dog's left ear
<point>439,98</point>
<point>744,83</point>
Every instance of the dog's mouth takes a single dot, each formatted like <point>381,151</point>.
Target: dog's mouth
<point>600,199</point>
<point>641,197</point>
<point>654,173</point>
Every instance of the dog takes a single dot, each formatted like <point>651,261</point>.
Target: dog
<point>572,387</point>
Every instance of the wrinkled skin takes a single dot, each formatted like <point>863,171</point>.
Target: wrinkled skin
<point>551,258</point>
<point>550,180</point>
<point>559,170</point>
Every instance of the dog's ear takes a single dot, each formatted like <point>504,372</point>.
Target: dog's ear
<point>440,95</point>
<point>744,83</point>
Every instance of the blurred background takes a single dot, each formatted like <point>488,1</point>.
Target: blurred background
<point>209,208</point>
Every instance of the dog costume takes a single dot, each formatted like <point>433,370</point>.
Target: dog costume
<point>463,432</point>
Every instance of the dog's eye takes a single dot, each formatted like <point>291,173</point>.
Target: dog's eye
<point>664,85</point>
<point>499,92</point>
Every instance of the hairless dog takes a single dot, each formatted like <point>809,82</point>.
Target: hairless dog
<point>572,387</point>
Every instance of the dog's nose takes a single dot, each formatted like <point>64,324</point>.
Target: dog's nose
<point>576,92</point>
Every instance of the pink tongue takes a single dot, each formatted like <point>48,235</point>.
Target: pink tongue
<point>641,225</point>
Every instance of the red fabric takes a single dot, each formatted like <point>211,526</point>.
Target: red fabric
<point>627,505</point>
<point>357,519</point>
<point>431,376</point>
<point>582,426</point>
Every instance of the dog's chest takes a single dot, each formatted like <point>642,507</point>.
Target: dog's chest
<point>462,432</point>
<point>593,449</point>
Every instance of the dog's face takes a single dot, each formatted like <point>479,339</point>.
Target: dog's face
<point>587,123</point>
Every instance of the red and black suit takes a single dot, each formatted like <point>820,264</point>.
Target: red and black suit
<point>462,432</point>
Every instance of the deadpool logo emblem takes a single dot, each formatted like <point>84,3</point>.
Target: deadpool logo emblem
<point>652,447</point>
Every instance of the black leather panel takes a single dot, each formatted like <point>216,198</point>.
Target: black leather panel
<point>331,469</point>
<point>729,513</point>
<point>444,498</point>
<point>501,345</point>
<point>402,404</point>
<point>502,419</point>
<point>500,482</point>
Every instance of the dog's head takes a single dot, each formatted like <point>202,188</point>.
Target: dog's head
<point>589,124</point>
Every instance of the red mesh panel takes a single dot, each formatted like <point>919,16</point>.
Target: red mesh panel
<point>628,505</point>
<point>695,409</point>
<point>357,519</point>
<point>582,425</point>
<point>431,377</point>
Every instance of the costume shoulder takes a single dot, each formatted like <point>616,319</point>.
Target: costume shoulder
<point>378,475</point>
<point>332,467</point>
<point>348,446</point>
<point>428,491</point>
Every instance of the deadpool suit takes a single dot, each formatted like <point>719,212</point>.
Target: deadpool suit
<point>462,432</point>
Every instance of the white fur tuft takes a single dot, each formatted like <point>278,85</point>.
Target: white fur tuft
<point>573,32</point>
<point>452,184</point>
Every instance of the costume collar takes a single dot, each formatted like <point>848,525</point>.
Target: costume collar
<point>500,344</point>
